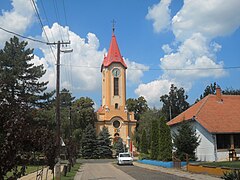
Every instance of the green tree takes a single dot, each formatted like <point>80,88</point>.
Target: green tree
<point>165,141</point>
<point>89,143</point>
<point>210,89</point>
<point>138,106</point>
<point>144,144</point>
<point>185,141</point>
<point>119,146</point>
<point>154,140</point>
<point>20,93</point>
<point>174,103</point>
<point>231,91</point>
<point>104,144</point>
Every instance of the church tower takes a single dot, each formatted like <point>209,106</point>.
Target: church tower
<point>113,113</point>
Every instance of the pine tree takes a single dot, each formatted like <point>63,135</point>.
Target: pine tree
<point>104,144</point>
<point>89,143</point>
<point>154,139</point>
<point>144,145</point>
<point>185,141</point>
<point>119,146</point>
<point>165,142</point>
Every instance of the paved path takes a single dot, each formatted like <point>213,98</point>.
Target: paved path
<point>106,171</point>
<point>177,172</point>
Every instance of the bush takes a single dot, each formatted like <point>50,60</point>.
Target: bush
<point>233,175</point>
<point>143,156</point>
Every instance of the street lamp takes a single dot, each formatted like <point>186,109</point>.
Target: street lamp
<point>128,139</point>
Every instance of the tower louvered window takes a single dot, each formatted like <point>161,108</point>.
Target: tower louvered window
<point>116,87</point>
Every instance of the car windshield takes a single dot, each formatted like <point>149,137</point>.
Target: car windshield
<point>124,155</point>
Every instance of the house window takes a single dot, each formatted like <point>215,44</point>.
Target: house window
<point>116,87</point>
<point>223,141</point>
<point>236,138</point>
<point>116,105</point>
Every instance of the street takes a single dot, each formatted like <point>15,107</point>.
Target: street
<point>108,169</point>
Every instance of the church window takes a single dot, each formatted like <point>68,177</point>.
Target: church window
<point>116,87</point>
<point>116,105</point>
<point>116,124</point>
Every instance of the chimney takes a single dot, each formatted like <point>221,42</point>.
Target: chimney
<point>219,94</point>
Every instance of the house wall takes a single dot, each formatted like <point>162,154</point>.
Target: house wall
<point>205,150</point>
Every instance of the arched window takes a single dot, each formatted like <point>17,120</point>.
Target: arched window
<point>116,105</point>
<point>116,87</point>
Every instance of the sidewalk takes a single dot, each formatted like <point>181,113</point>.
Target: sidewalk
<point>177,172</point>
<point>47,175</point>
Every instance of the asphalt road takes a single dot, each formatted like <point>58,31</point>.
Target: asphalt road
<point>108,169</point>
<point>142,173</point>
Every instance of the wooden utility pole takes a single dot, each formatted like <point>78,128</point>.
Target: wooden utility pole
<point>58,117</point>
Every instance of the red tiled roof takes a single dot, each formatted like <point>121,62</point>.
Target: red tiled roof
<point>114,54</point>
<point>217,116</point>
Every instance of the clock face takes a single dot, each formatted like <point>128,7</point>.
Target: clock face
<point>116,72</point>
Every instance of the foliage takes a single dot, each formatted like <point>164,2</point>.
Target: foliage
<point>143,142</point>
<point>21,94</point>
<point>165,142</point>
<point>233,175</point>
<point>118,145</point>
<point>154,139</point>
<point>138,106</point>
<point>231,91</point>
<point>143,156</point>
<point>231,164</point>
<point>185,141</point>
<point>89,143</point>
<point>174,103</point>
<point>145,123</point>
<point>104,144</point>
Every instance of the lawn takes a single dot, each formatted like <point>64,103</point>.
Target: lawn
<point>29,170</point>
<point>71,174</point>
<point>231,164</point>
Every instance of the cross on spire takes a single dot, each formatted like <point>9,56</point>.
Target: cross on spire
<point>113,25</point>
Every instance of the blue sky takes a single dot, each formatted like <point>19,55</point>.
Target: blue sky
<point>187,43</point>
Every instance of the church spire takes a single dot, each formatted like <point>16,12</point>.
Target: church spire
<point>114,55</point>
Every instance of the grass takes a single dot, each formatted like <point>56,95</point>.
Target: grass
<point>30,169</point>
<point>70,175</point>
<point>231,164</point>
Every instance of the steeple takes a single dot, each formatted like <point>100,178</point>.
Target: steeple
<point>114,55</point>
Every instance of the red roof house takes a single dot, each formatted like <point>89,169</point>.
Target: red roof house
<point>216,119</point>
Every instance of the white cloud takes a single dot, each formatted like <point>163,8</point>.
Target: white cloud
<point>135,71</point>
<point>153,90</point>
<point>194,26</point>
<point>160,14</point>
<point>18,19</point>
<point>210,18</point>
<point>166,48</point>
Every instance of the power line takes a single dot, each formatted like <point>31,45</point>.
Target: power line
<point>19,35</point>
<point>158,69</point>
<point>40,21</point>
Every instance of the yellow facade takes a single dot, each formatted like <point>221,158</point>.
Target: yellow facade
<point>113,113</point>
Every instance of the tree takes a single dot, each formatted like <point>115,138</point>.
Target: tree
<point>185,141</point>
<point>138,106</point>
<point>210,89</point>
<point>20,94</point>
<point>165,141</point>
<point>104,144</point>
<point>231,91</point>
<point>174,103</point>
<point>119,146</point>
<point>89,143</point>
<point>143,143</point>
<point>154,139</point>
<point>145,124</point>
<point>19,76</point>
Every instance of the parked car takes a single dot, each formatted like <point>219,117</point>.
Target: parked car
<point>124,158</point>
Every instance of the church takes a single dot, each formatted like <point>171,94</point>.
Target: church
<point>113,112</point>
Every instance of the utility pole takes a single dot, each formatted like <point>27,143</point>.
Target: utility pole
<point>58,117</point>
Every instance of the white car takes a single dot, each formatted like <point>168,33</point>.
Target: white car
<point>124,158</point>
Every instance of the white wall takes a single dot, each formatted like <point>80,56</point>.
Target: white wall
<point>205,151</point>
